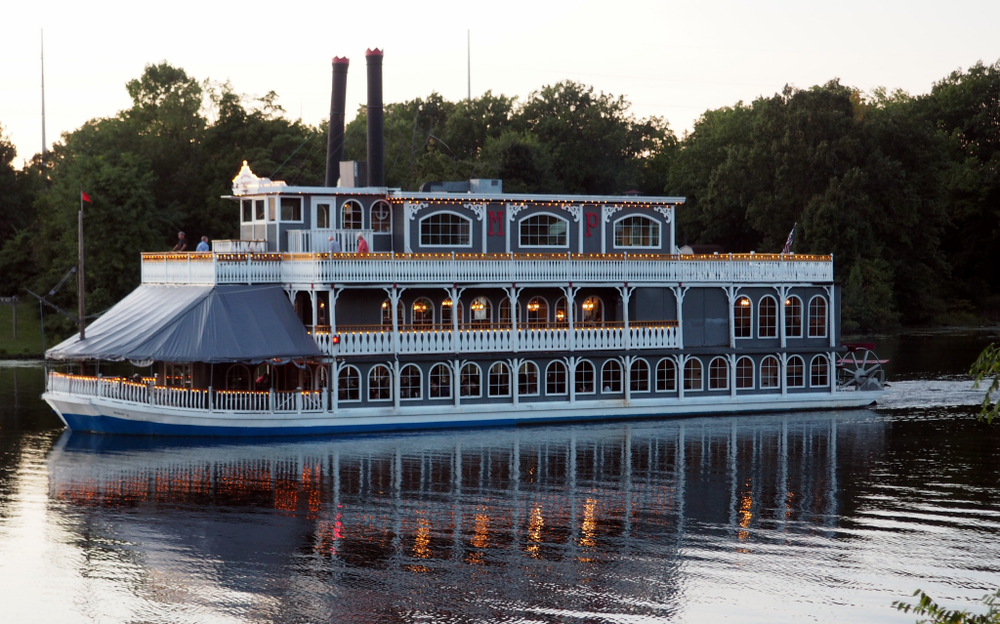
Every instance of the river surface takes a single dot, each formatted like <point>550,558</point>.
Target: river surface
<point>802,517</point>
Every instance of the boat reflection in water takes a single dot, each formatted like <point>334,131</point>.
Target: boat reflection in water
<point>559,522</point>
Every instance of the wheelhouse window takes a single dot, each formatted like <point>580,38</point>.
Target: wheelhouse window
<point>769,372</point>
<point>445,229</point>
<point>379,383</point>
<point>555,378</point>
<point>744,373</point>
<point>611,376</point>
<point>639,376</point>
<point>666,375</point>
<point>584,377</point>
<point>718,374</point>
<point>258,210</point>
<point>471,381</point>
<point>323,215</point>
<point>544,230</point>
<point>692,374</point>
<point>817,317</point>
<point>793,317</point>
<point>350,215</point>
<point>794,373</point>
<point>499,380</point>
<point>291,209</point>
<point>767,318</point>
<point>819,372</point>
<point>381,217</point>
<point>742,318</point>
<point>527,379</point>
<point>440,381</point>
<point>349,384</point>
<point>246,210</point>
<point>637,231</point>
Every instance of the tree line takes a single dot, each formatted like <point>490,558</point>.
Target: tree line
<point>903,190</point>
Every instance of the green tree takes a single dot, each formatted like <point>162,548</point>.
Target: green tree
<point>939,615</point>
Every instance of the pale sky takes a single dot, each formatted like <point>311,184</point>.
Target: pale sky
<point>670,59</point>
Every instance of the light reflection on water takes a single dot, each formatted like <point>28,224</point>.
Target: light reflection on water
<point>806,517</point>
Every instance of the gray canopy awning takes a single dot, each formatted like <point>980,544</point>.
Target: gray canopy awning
<point>194,324</point>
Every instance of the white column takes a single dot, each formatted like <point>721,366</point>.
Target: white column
<point>335,385</point>
<point>679,292</point>
<point>681,361</point>
<point>783,374</point>
<point>732,374</point>
<point>333,295</point>
<point>626,293</point>
<point>829,316</point>
<point>627,377</point>
<point>394,296</point>
<point>782,296</point>
<point>515,376</point>
<point>395,384</point>
<point>512,294</point>
<point>456,374</point>
<point>315,311</point>
<point>571,377</point>
<point>731,292</point>
<point>570,292</point>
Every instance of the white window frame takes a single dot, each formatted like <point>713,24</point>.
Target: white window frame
<point>657,374</point>
<point>802,310</point>
<point>371,216</point>
<point>479,370</point>
<point>760,326</point>
<point>701,375</point>
<point>340,215</point>
<point>420,383</point>
<point>649,376</point>
<point>825,317</point>
<point>566,380</point>
<point>826,363</point>
<point>777,376</point>
<point>489,382</point>
<point>368,386</point>
<point>538,379</point>
<point>448,375</point>
<point>725,378</point>
<point>594,378</point>
<point>788,367</point>
<point>521,221</point>
<point>614,233</point>
<point>420,231</point>
<point>753,373</point>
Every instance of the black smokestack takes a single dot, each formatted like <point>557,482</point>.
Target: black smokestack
<point>335,137</point>
<point>376,120</point>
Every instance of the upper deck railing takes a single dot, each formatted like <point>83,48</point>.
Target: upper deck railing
<point>285,268</point>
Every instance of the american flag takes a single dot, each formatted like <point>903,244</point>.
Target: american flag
<point>788,242</point>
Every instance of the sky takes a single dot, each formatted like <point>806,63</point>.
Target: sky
<point>674,60</point>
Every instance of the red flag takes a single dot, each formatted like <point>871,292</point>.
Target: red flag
<point>85,197</point>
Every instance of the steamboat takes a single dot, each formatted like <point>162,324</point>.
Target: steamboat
<point>357,307</point>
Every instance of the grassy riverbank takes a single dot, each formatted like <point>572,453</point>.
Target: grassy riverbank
<point>28,343</point>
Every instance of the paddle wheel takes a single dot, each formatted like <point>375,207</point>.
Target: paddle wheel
<point>860,368</point>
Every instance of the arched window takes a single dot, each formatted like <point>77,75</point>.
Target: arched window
<point>666,375</point>
<point>584,377</point>
<point>499,380</point>
<point>380,383</point>
<point>409,382</point>
<point>482,311</point>
<point>611,376</point>
<point>349,384</point>
<point>639,376</point>
<point>769,372</point>
<point>527,379</point>
<point>505,311</point>
<point>817,317</point>
<point>387,313</point>
<point>447,308</point>
<point>819,372</point>
<point>718,374</point>
<point>537,311</point>
<point>471,380</point>
<point>238,377</point>
<point>323,215</point>
<point>742,318</point>
<point>381,216</point>
<point>637,231</point>
<point>350,215</point>
<point>445,229</point>
<point>262,377</point>
<point>794,372</point>
<point>593,310</point>
<point>422,312</point>
<point>562,316</point>
<point>767,317</point>
<point>319,378</point>
<point>440,379</point>
<point>793,317</point>
<point>692,374</point>
<point>555,378</point>
<point>744,373</point>
<point>544,230</point>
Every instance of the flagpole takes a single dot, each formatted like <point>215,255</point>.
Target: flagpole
<point>83,320</point>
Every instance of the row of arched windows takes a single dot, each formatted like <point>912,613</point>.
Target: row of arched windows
<point>767,317</point>
<point>496,380</point>
<point>450,229</point>
<point>352,216</point>
<point>536,310</point>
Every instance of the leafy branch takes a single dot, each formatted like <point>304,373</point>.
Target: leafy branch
<point>938,615</point>
<point>988,365</point>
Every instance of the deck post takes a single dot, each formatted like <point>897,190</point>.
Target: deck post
<point>210,401</point>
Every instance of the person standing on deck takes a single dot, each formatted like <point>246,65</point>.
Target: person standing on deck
<point>334,246</point>
<point>203,245</point>
<point>182,242</point>
<point>362,245</point>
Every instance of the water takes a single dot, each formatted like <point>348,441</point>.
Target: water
<point>805,517</point>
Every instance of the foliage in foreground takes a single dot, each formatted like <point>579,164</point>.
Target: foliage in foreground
<point>985,367</point>
<point>938,615</point>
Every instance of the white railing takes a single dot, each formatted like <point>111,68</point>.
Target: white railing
<point>277,268</point>
<point>239,246</point>
<point>146,393</point>
<point>318,241</point>
<point>375,340</point>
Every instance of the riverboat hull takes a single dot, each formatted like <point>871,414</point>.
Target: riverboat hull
<point>102,415</point>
